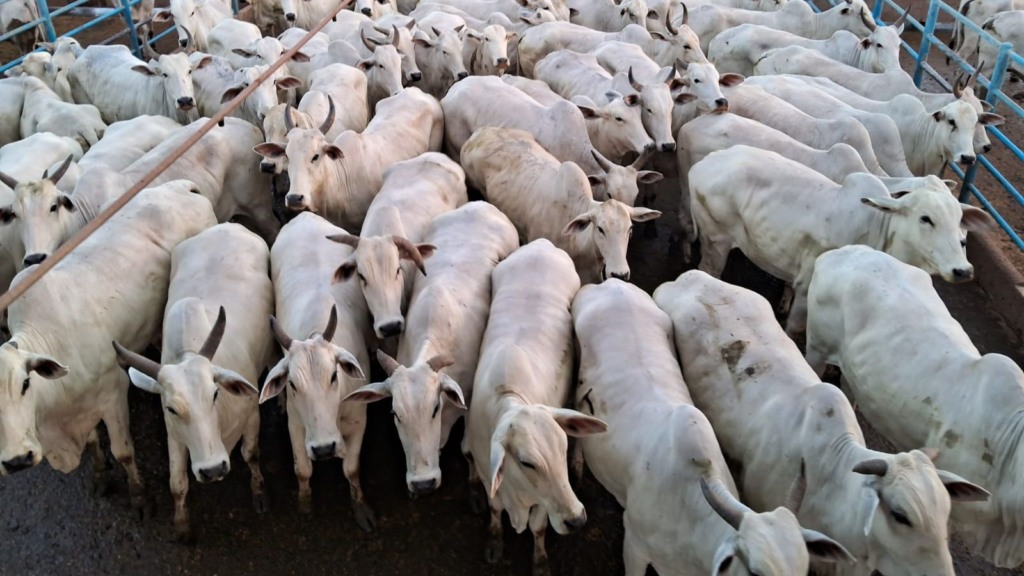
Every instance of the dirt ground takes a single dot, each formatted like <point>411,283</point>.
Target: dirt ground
<point>48,525</point>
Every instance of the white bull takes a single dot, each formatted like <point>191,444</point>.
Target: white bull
<point>799,18</point>
<point>397,30</point>
<point>483,9</point>
<point>44,111</point>
<point>607,15</point>
<point>742,196</point>
<point>860,301</point>
<point>342,88</point>
<point>571,132</point>
<point>412,193</point>
<point>738,49</point>
<point>517,427</point>
<point>123,87</point>
<point>444,326</point>
<point>12,100</point>
<point>128,261</point>
<point>194,19</point>
<point>624,337</point>
<point>217,83</point>
<point>318,370</point>
<point>776,420</point>
<point>549,199</point>
<point>1004,27</point>
<point>339,180</point>
<point>126,141</point>
<point>440,55</point>
<point>203,354</point>
<point>965,41</point>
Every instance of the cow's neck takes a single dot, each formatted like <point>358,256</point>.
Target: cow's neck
<point>877,234</point>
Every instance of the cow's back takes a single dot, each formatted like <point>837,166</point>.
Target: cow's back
<point>420,189</point>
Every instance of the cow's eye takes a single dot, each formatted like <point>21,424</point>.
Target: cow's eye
<point>53,208</point>
<point>686,46</point>
<point>901,518</point>
<point>619,119</point>
<point>529,465</point>
<point>399,271</point>
<point>292,384</point>
<point>334,376</point>
<point>361,277</point>
<point>172,410</point>
<point>696,80</point>
<point>952,123</point>
<point>215,394</point>
<point>963,243</point>
<point>24,386</point>
<point>395,414</point>
<point>927,220</point>
<point>381,66</point>
<point>437,408</point>
<point>165,75</point>
<point>600,230</point>
<point>879,45</point>
<point>315,157</point>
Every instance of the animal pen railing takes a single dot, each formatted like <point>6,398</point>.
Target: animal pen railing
<point>936,9</point>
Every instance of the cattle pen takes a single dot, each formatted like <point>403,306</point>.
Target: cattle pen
<point>49,526</point>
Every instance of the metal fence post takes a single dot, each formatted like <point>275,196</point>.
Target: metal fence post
<point>926,40</point>
<point>995,85</point>
<point>876,10</point>
<point>44,14</point>
<point>234,6</point>
<point>133,36</point>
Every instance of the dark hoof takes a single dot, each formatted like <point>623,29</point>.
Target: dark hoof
<point>97,485</point>
<point>494,551</point>
<point>365,517</point>
<point>305,505</point>
<point>142,506</point>
<point>541,568</point>
<point>261,503</point>
<point>478,503</point>
<point>184,535</point>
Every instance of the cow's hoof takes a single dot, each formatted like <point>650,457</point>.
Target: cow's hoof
<point>494,551</point>
<point>478,500</point>
<point>183,534</point>
<point>305,505</point>
<point>97,485</point>
<point>365,517</point>
<point>261,502</point>
<point>541,568</point>
<point>142,506</point>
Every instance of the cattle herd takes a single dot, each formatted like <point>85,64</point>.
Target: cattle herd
<point>347,236</point>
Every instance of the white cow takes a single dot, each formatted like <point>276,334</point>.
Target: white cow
<point>281,120</point>
<point>412,193</point>
<point>665,49</point>
<point>123,87</point>
<point>625,338</point>
<point>339,180</point>
<point>912,392</point>
<point>738,49</point>
<point>17,13</point>
<point>482,9</point>
<point>243,45</point>
<point>306,13</point>
<point>44,111</point>
<point>487,101</point>
<point>882,131</point>
<point>743,196</point>
<point>966,42</point>
<point>130,259</point>
<point>776,420</point>
<point>397,30</point>
<point>798,18</point>
<point>319,370</point>
<point>439,52</point>
<point>219,274</point>
<point>549,199</point>
<point>444,326</point>
<point>517,428</point>
<point>1004,27</point>
<point>342,87</point>
<point>607,15</point>
<point>757,104</point>
<point>52,66</point>
<point>217,83</point>
<point>376,9</point>
<point>126,141</point>
<point>194,19</point>
<point>12,100</point>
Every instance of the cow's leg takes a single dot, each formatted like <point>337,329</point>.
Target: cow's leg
<point>714,254</point>
<point>576,461</point>
<point>634,560</point>
<point>251,454</point>
<point>178,455</point>
<point>495,543</point>
<point>796,323</point>
<point>99,482</point>
<point>124,450</point>
<point>477,493</point>
<point>539,528</point>
<point>303,465</point>
<point>352,431</point>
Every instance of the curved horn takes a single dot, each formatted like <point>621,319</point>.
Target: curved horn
<point>190,43</point>
<point>603,162</point>
<point>289,122</point>
<point>386,362</point>
<point>404,244</point>
<point>974,75</point>
<point>329,121</point>
<point>632,81</point>
<point>723,502</point>
<point>394,36</point>
<point>874,467</point>
<point>332,324</point>
<point>795,497</point>
<point>958,85</point>
<point>8,181</point>
<point>643,158</point>
<point>440,361</point>
<point>56,176</point>
<point>868,21</point>
<point>903,17</point>
<point>216,334</point>
<point>366,41</point>
<point>283,339</point>
<point>668,21</point>
<point>346,238</point>
<point>128,358</point>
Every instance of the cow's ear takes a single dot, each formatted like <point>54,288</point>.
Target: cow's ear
<point>724,556</point>
<point>203,63</point>
<point>345,271</point>
<point>426,250</point>
<point>497,464</point>
<point>364,65</point>
<point>45,366</point>
<point>66,203</point>
<point>825,549</point>
<point>976,219</point>
<point>641,214</point>
<point>143,382</point>
<point>938,115</point>
<point>865,43</point>
<point>586,106</point>
<point>276,380</point>
<point>233,382</point>
<point>653,15</point>
<point>597,180</point>
<point>333,152</point>
<point>453,392</point>
<point>231,93</point>
<point>144,69</point>
<point>578,424</point>
<point>162,16</point>
<point>648,176</point>
<point>243,52</point>
<point>7,214</point>
<point>269,150</point>
<point>960,490</point>
<point>369,393</point>
<point>349,364</point>
<point>684,97</point>
<point>288,83</point>
<point>301,56</point>
<point>890,205</point>
<point>990,119</point>
<point>730,79</point>
<point>577,224</point>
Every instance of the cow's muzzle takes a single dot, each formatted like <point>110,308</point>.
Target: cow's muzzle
<point>26,460</point>
<point>323,451</point>
<point>213,473</point>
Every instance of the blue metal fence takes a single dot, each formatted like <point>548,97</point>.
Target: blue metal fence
<point>995,96</point>
<point>46,18</point>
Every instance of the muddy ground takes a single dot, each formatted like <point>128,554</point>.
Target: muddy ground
<point>48,525</point>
